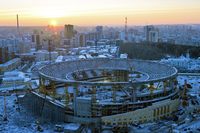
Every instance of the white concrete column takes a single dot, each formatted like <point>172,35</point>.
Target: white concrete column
<point>75,87</point>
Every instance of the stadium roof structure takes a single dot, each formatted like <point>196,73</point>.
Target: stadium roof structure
<point>154,71</point>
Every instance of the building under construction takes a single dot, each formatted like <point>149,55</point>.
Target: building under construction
<point>108,92</point>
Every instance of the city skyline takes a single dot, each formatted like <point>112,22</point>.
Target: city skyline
<point>104,12</point>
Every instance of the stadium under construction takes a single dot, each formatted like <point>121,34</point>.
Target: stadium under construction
<point>106,92</point>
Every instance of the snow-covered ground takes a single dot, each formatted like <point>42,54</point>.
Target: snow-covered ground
<point>193,80</point>
<point>192,126</point>
<point>19,121</point>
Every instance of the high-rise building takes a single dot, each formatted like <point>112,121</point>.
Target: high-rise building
<point>33,38</point>
<point>99,32</point>
<point>151,33</point>
<point>154,36</point>
<point>99,29</point>
<point>82,40</point>
<point>38,42</point>
<point>4,54</point>
<point>37,39</point>
<point>78,40</point>
<point>8,48</point>
<point>69,31</point>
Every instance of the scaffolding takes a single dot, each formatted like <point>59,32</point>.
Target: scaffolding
<point>184,95</point>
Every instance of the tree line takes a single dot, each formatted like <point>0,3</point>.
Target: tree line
<point>157,51</point>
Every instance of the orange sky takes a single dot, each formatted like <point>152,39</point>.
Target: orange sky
<point>104,12</point>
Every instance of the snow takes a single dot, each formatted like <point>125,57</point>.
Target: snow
<point>183,63</point>
<point>10,88</point>
<point>14,80</point>
<point>124,56</point>
<point>194,81</point>
<point>17,121</point>
<point>15,76</point>
<point>82,57</point>
<point>59,59</point>
<point>72,126</point>
<point>102,56</point>
<point>15,60</point>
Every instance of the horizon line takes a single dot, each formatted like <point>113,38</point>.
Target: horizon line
<point>109,25</point>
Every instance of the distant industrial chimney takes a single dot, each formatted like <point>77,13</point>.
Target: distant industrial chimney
<point>18,25</point>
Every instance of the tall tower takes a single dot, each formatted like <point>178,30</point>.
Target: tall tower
<point>18,32</point>
<point>126,31</point>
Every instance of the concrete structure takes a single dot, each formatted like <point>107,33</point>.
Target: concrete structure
<point>69,31</point>
<point>14,80</point>
<point>43,55</point>
<point>99,30</point>
<point>149,114</point>
<point>151,33</point>
<point>38,42</point>
<point>92,38</point>
<point>8,48</point>
<point>111,92</point>
<point>4,54</point>
<point>72,39</point>
<point>10,65</point>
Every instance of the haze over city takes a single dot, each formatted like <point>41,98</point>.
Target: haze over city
<point>104,12</point>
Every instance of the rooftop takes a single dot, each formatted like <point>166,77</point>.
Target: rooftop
<point>155,71</point>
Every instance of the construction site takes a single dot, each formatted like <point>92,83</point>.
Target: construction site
<point>91,79</point>
<point>105,92</point>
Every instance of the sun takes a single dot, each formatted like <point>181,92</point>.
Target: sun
<point>53,23</point>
